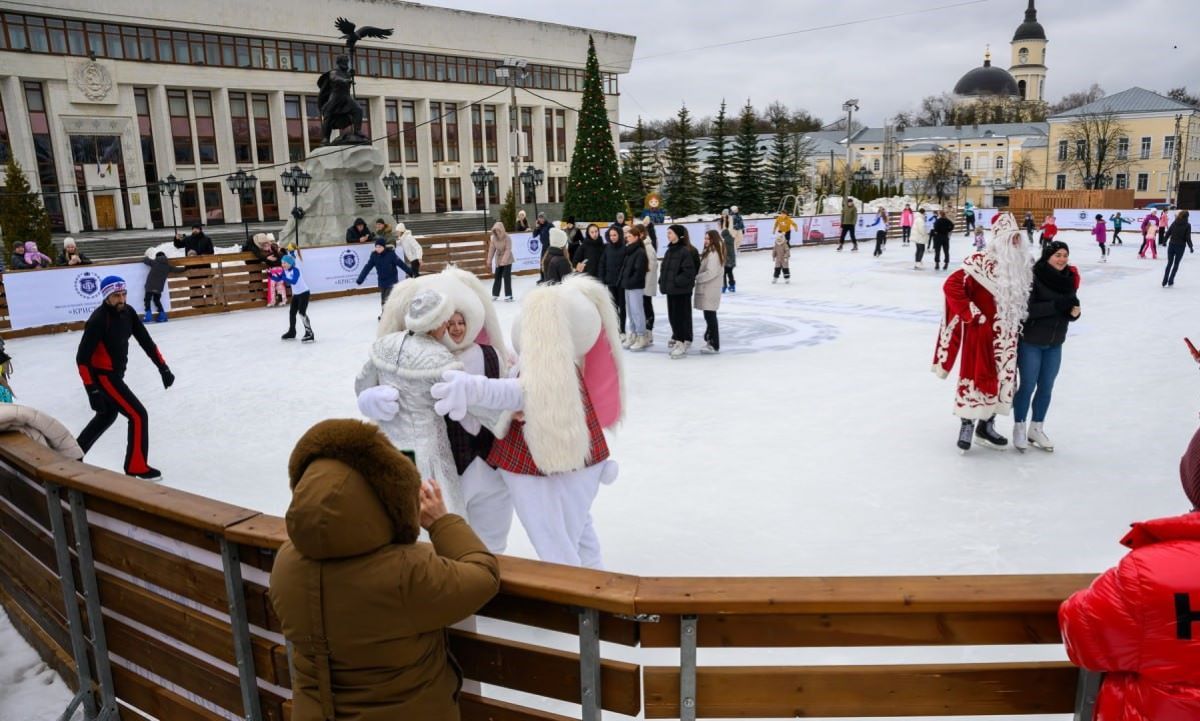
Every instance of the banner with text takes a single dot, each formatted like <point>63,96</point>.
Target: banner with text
<point>67,295</point>
<point>1085,218</point>
<point>335,268</point>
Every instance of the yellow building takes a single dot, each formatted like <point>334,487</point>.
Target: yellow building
<point>1157,145</point>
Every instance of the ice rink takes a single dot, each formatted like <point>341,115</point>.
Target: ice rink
<point>817,443</point>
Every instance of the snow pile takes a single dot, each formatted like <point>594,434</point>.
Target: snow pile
<point>29,689</point>
<point>172,252</point>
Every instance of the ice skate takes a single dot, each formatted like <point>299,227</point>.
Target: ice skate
<point>965,433</point>
<point>150,474</point>
<point>1019,439</point>
<point>508,299</point>
<point>733,287</point>
<point>649,338</point>
<point>639,342</point>
<point>290,335</point>
<point>1039,439</point>
<point>161,317</point>
<point>308,337</point>
<point>627,340</point>
<point>709,350</point>
<point>987,435</point>
<point>680,350</point>
<point>148,318</point>
<point>774,281</point>
<point>787,280</point>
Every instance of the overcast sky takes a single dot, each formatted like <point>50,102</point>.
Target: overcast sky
<point>889,64</point>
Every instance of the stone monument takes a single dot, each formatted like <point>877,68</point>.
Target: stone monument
<point>347,172</point>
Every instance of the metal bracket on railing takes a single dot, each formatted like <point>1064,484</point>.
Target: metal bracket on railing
<point>232,565</point>
<point>687,668</point>
<point>639,617</point>
<point>62,552</point>
<point>1086,693</point>
<point>589,663</point>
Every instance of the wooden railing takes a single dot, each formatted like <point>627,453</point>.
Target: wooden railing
<point>188,632</point>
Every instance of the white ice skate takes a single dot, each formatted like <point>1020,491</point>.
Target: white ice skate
<point>1038,439</point>
<point>1020,439</point>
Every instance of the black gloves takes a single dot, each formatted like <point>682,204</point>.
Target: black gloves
<point>96,398</point>
<point>167,376</point>
<point>1064,304</point>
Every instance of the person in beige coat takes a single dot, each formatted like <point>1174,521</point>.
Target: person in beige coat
<point>365,606</point>
<point>781,253</point>
<point>708,288</point>
<point>651,286</point>
<point>500,259</point>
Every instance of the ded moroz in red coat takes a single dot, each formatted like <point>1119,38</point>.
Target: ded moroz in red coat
<point>1139,623</point>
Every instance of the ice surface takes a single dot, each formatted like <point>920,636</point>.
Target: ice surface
<point>817,443</point>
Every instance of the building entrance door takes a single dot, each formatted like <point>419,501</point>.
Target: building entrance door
<point>106,213</point>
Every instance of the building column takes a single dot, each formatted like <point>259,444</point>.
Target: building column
<point>64,166</point>
<point>504,131</point>
<point>223,127</point>
<point>279,147</point>
<point>541,158</point>
<point>20,134</point>
<point>424,165</point>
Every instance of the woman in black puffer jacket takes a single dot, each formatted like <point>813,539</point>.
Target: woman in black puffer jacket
<point>610,271</point>
<point>1053,305</point>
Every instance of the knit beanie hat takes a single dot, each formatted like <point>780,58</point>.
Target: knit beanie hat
<point>289,259</point>
<point>680,232</point>
<point>381,240</point>
<point>111,284</point>
<point>558,238</point>
<point>1189,471</point>
<point>1053,247</point>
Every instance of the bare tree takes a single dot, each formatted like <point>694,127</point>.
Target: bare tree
<point>936,179</point>
<point>936,110</point>
<point>1183,96</point>
<point>1022,171</point>
<point>1077,99</point>
<point>1093,147</point>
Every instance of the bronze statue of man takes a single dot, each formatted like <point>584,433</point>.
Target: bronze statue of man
<point>339,108</point>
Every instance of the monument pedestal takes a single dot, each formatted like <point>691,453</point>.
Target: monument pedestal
<point>347,183</point>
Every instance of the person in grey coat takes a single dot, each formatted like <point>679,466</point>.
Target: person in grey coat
<point>156,281</point>
<point>707,299</point>
<point>729,283</point>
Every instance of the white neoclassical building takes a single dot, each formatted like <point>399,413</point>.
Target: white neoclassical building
<point>100,101</point>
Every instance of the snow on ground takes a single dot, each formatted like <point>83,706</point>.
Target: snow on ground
<point>817,443</point>
<point>29,689</point>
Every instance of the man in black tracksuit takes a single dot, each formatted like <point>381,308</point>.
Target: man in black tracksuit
<point>942,228</point>
<point>102,357</point>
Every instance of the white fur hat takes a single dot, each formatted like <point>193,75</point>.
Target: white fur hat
<point>429,309</point>
<point>558,238</point>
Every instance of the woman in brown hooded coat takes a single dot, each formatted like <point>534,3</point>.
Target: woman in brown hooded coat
<point>364,605</point>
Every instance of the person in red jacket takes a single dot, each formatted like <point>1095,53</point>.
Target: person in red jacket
<point>1139,623</point>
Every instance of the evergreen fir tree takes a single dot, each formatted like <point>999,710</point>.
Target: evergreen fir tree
<point>780,176</point>
<point>593,190</point>
<point>747,165</point>
<point>681,189</point>
<point>508,212</point>
<point>639,175</point>
<point>22,217</point>
<point>718,192</point>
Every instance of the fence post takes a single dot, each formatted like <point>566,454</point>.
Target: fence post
<point>687,668</point>
<point>91,597</point>
<point>589,663</point>
<point>1086,693</point>
<point>232,565</point>
<point>83,667</point>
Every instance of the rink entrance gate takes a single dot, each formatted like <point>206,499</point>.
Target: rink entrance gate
<point>149,598</point>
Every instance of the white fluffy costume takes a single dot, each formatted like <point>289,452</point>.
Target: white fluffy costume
<point>553,456</point>
<point>480,496</point>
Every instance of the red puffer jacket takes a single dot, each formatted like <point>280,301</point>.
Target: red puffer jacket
<point>1140,623</point>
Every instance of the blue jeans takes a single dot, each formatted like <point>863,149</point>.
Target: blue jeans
<point>1037,367</point>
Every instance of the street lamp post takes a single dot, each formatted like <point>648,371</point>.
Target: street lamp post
<point>531,178</point>
<point>393,183</point>
<point>482,178</point>
<point>849,106</point>
<point>170,187</point>
<point>296,182</point>
<point>242,184</point>
<point>513,69</point>
<point>862,176</point>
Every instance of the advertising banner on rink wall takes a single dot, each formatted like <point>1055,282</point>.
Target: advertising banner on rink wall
<point>1085,218</point>
<point>67,295</point>
<point>335,268</point>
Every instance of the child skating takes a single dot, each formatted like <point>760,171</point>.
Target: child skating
<point>156,282</point>
<point>1100,232</point>
<point>299,304</point>
<point>1149,235</point>
<point>781,253</point>
<point>979,241</point>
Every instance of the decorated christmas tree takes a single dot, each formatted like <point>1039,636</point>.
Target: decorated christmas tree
<point>718,192</point>
<point>22,217</point>
<point>593,188</point>
<point>682,185</point>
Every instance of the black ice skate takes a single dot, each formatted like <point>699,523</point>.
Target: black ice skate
<point>964,435</point>
<point>986,434</point>
<point>308,337</point>
<point>150,474</point>
<point>290,335</point>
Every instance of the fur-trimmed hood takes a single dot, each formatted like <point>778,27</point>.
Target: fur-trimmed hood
<point>352,491</point>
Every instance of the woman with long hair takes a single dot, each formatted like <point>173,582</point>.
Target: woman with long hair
<point>610,270</point>
<point>651,278</point>
<point>633,281</point>
<point>500,258</point>
<point>587,257</point>
<point>1178,235</point>
<point>708,281</point>
<point>676,279</point>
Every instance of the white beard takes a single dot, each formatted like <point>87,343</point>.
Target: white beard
<point>1014,278</point>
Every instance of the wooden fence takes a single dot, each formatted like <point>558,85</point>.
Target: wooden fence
<point>172,591</point>
<point>1044,202</point>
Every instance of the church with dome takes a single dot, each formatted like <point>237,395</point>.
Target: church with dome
<point>1024,80</point>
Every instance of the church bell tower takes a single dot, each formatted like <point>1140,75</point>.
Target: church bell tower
<point>1029,56</point>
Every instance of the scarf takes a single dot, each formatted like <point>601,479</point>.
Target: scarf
<point>1061,282</point>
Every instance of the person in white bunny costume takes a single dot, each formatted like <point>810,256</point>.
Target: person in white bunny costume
<point>549,419</point>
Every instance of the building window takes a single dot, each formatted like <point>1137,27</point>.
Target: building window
<point>966,164</point>
<point>436,132</point>
<point>556,190</point>
<point>1060,182</point>
<point>439,195</point>
<point>549,135</point>
<point>1062,150</point>
<point>560,133</point>
<point>260,105</point>
<point>294,120</point>
<point>1122,181</point>
<point>999,162</point>
<point>1168,146</point>
<point>456,194</point>
<point>365,129</point>
<point>206,131</point>
<point>141,101</point>
<point>189,205</point>
<point>414,194</point>
<point>181,127</point>
<point>489,133</point>
<point>1122,148</point>
<point>408,115</point>
<point>270,200</point>
<point>1146,148</point>
<point>875,165</point>
<point>5,150</point>
<point>312,118</point>
<point>1143,181</point>
<point>527,132</point>
<point>450,120</point>
<point>1081,148</point>
<point>476,134</point>
<point>43,148</point>
<point>214,205</point>
<point>391,115</point>
<point>239,118</point>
